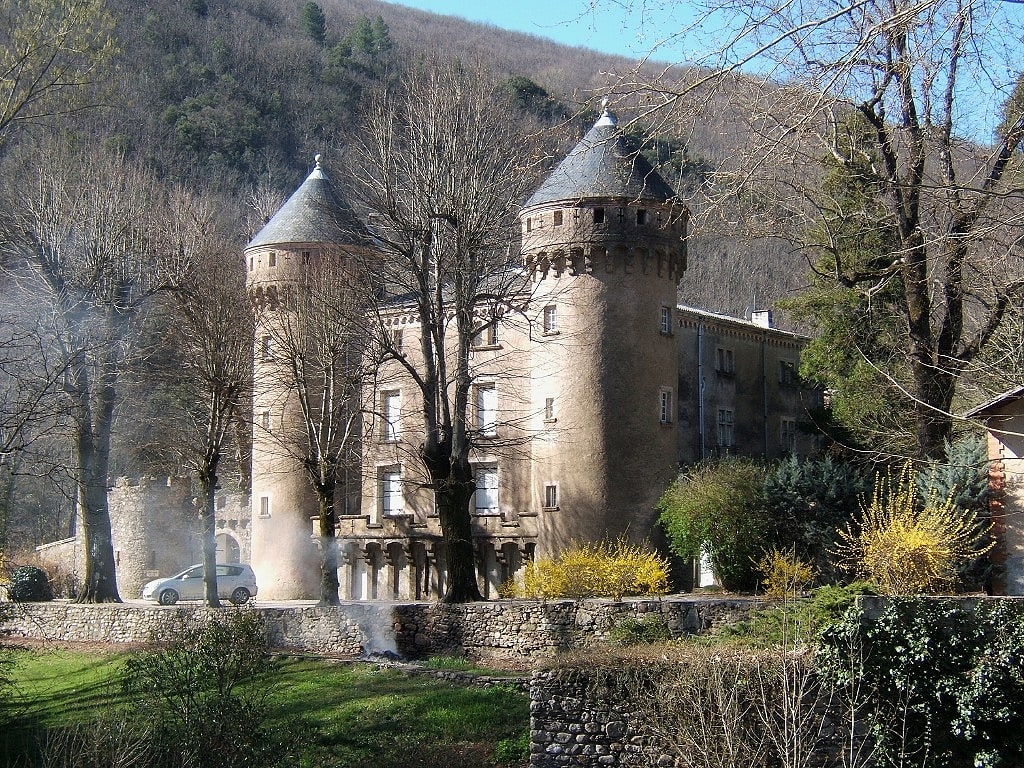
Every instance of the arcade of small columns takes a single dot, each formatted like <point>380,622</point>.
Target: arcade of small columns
<point>414,569</point>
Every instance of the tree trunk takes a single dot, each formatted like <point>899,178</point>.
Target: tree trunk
<point>934,424</point>
<point>452,495</point>
<point>92,444</point>
<point>328,544</point>
<point>208,521</point>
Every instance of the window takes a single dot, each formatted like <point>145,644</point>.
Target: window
<point>549,409</point>
<point>665,406</point>
<point>529,225</point>
<point>251,259</point>
<point>222,502</point>
<point>557,218</point>
<point>725,428</point>
<point>788,436</point>
<point>725,363</point>
<point>550,496</point>
<point>599,215</point>
<point>787,373</point>
<point>390,406</point>
<point>487,336</point>
<point>305,257</point>
<point>392,501</point>
<point>641,217</point>
<point>487,491</point>
<point>273,259</point>
<point>487,409</point>
<point>396,340</point>
<point>267,348</point>
<point>265,420</point>
<point>264,506</point>
<point>550,319</point>
<point>666,320</point>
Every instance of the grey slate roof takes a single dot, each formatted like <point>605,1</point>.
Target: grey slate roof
<point>603,164</point>
<point>315,213</point>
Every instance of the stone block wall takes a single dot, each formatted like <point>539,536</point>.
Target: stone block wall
<point>509,630</point>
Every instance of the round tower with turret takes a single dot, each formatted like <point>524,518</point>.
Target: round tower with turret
<point>315,223</point>
<point>605,243</point>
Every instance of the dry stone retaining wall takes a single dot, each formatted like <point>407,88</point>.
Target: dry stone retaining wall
<point>512,630</point>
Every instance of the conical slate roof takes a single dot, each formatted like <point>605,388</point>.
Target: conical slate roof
<point>603,164</point>
<point>315,213</point>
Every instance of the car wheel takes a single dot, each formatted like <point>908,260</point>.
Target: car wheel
<point>168,597</point>
<point>240,596</point>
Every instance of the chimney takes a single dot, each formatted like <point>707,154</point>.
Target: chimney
<point>762,317</point>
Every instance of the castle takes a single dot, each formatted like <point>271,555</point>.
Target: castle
<point>584,407</point>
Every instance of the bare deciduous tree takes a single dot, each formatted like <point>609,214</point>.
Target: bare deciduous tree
<point>94,232</point>
<point>212,330</point>
<point>320,344</point>
<point>442,168</point>
<point>49,51</point>
<point>914,75</point>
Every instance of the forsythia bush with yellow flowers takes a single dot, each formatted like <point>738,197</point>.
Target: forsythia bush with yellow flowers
<point>909,548</point>
<point>785,574</point>
<point>594,570</point>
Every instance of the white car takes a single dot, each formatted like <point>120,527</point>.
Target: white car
<point>236,582</point>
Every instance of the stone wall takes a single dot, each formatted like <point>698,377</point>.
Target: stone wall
<point>510,630</point>
<point>570,726</point>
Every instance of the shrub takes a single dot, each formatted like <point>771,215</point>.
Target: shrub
<point>645,631</point>
<point>963,478</point>
<point>936,682</point>
<point>202,697</point>
<point>719,508</point>
<point>907,548</point>
<point>793,623</point>
<point>596,570</point>
<point>785,574</point>
<point>29,584</point>
<point>810,500</point>
<point>716,707</point>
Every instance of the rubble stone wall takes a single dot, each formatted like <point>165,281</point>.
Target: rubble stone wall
<point>513,630</point>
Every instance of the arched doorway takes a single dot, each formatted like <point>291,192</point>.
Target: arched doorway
<point>227,549</point>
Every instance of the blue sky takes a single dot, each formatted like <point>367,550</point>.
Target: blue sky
<point>632,28</point>
<point>625,28</point>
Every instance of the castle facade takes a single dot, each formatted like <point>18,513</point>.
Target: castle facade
<point>584,403</point>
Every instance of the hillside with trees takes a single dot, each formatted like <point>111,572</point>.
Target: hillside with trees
<point>238,95</point>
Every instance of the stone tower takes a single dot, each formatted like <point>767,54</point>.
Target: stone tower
<point>605,244</point>
<point>315,223</point>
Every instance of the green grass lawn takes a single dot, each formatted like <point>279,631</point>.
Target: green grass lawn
<point>345,715</point>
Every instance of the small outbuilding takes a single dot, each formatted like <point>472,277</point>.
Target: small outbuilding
<point>1004,425</point>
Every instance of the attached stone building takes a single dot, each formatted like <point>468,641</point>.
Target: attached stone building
<point>584,405</point>
<point>155,531</point>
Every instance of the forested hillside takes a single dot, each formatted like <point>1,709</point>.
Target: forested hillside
<point>240,95</point>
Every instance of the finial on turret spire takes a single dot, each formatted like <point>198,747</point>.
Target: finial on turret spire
<point>607,118</point>
<point>316,159</point>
